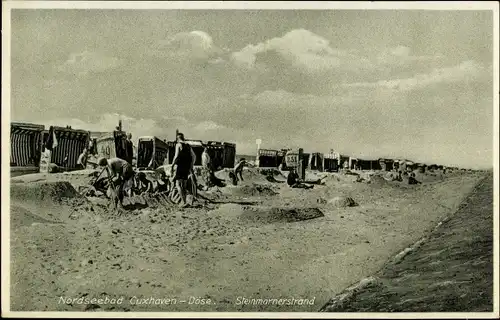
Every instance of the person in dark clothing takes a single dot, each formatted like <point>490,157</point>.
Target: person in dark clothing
<point>293,178</point>
<point>183,162</point>
<point>233,178</point>
<point>293,181</point>
<point>412,179</point>
<point>129,148</point>
<point>238,168</point>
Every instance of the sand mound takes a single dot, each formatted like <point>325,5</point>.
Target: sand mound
<point>340,177</point>
<point>259,214</point>
<point>332,178</point>
<point>43,192</point>
<point>315,176</point>
<point>390,176</point>
<point>229,210</point>
<point>342,202</point>
<point>20,217</point>
<point>251,190</point>
<point>275,214</point>
<point>254,175</point>
<point>378,180</point>
<point>269,172</point>
<point>224,174</point>
<point>429,177</point>
<point>56,201</point>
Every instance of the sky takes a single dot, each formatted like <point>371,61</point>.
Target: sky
<point>411,84</point>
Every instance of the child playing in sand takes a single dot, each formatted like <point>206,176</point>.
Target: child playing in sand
<point>82,159</point>
<point>293,181</point>
<point>144,185</point>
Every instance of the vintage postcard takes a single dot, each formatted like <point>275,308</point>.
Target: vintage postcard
<point>250,159</point>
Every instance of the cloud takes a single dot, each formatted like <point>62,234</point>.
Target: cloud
<point>194,45</point>
<point>174,118</point>
<point>300,53</point>
<point>301,48</point>
<point>465,71</point>
<point>400,55</point>
<point>217,60</point>
<point>89,62</point>
<point>290,100</point>
<point>208,125</point>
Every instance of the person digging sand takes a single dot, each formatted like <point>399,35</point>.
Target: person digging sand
<point>120,174</point>
<point>238,169</point>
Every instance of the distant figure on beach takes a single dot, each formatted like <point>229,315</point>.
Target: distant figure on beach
<point>346,165</point>
<point>82,159</point>
<point>91,147</point>
<point>65,162</point>
<point>129,148</point>
<point>121,175</point>
<point>183,162</point>
<point>208,172</point>
<point>412,179</point>
<point>399,176</point>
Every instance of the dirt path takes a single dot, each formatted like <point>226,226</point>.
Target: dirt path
<point>452,271</point>
<point>220,256</point>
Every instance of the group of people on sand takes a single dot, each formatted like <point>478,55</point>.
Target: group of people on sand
<point>122,175</point>
<point>124,180</point>
<point>397,175</point>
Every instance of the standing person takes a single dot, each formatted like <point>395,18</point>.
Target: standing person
<point>206,163</point>
<point>82,159</point>
<point>91,147</point>
<point>121,175</point>
<point>183,163</point>
<point>129,148</point>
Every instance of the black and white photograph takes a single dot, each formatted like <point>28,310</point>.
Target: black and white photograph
<point>286,159</point>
